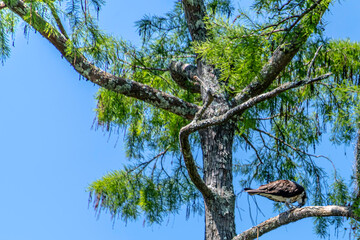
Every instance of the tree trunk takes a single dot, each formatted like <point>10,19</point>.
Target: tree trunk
<point>216,143</point>
<point>357,165</point>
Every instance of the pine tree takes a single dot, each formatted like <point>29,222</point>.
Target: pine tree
<point>212,80</point>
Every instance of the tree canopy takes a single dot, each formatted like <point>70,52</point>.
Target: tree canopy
<point>268,76</point>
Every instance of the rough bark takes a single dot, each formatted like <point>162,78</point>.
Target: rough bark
<point>183,74</point>
<point>293,216</point>
<point>357,166</point>
<point>216,143</point>
<point>195,12</point>
<point>217,183</point>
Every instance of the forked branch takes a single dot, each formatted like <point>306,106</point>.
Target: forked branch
<point>185,148</point>
<point>239,109</point>
<point>198,124</point>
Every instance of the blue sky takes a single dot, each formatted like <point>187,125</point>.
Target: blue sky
<point>49,152</point>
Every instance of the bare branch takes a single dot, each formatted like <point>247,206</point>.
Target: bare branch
<point>284,5</point>
<point>96,75</point>
<point>312,61</point>
<point>312,7</point>
<point>257,155</point>
<point>143,165</point>
<point>253,147</point>
<point>292,147</point>
<point>143,65</point>
<point>293,216</point>
<point>298,149</point>
<point>208,100</point>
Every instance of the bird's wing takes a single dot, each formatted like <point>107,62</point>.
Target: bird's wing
<point>283,188</point>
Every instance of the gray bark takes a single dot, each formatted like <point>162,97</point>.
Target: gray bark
<point>357,166</point>
<point>216,145</point>
<point>183,74</point>
<point>195,12</point>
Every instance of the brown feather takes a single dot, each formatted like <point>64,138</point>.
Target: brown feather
<point>280,191</point>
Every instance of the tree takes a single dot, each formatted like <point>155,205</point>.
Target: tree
<point>215,83</point>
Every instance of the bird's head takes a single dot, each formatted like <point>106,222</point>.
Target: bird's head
<point>302,200</point>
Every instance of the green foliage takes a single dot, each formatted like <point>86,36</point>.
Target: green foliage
<point>220,7</point>
<point>7,26</point>
<point>354,225</point>
<point>286,130</point>
<point>147,128</point>
<point>235,51</point>
<point>339,194</point>
<point>341,107</point>
<point>129,195</point>
<point>10,2</point>
<point>282,132</point>
<point>321,227</point>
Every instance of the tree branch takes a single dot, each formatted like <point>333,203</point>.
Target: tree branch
<point>238,110</point>
<point>294,215</point>
<point>253,147</point>
<point>312,61</point>
<point>297,149</point>
<point>57,19</point>
<point>281,57</point>
<point>190,162</point>
<point>197,125</point>
<point>183,74</point>
<point>357,164</point>
<point>96,75</point>
<point>185,149</point>
<point>294,148</point>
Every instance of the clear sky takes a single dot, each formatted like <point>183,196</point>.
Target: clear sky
<point>49,152</point>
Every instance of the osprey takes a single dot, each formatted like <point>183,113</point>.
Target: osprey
<point>281,191</point>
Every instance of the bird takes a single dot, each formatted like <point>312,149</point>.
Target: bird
<point>285,191</point>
